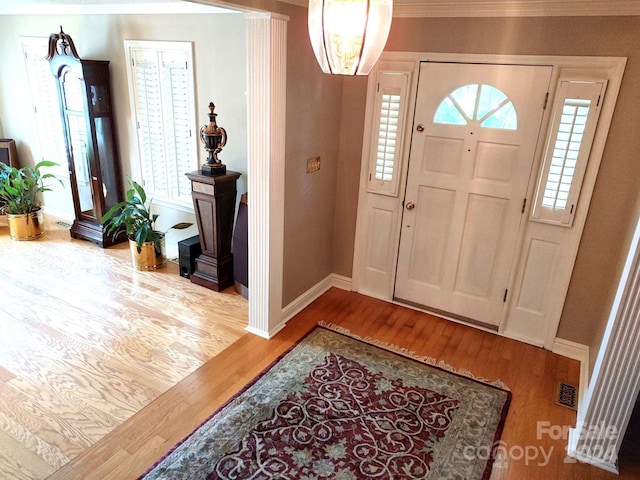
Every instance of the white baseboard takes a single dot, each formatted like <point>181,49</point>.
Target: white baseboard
<point>59,214</point>
<point>341,282</point>
<point>578,352</point>
<point>304,300</point>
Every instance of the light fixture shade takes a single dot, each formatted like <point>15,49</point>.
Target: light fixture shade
<point>348,36</point>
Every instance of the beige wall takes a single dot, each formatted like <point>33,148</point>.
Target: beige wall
<point>313,129</point>
<point>617,192</point>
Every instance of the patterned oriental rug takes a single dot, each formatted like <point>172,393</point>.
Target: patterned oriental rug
<point>336,407</point>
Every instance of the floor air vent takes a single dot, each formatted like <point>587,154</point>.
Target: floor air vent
<point>567,395</point>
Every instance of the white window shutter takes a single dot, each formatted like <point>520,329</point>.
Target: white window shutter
<point>573,124</point>
<point>161,78</point>
<point>149,122</point>
<point>44,97</point>
<point>388,126</point>
<point>178,125</point>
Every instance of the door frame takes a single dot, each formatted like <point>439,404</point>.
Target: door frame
<point>381,283</point>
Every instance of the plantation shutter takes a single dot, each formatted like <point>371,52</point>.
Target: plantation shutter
<point>164,106</point>
<point>388,126</point>
<point>44,97</point>
<point>573,125</point>
<point>178,124</point>
<point>149,122</point>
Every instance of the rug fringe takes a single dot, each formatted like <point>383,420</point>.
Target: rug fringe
<point>411,354</point>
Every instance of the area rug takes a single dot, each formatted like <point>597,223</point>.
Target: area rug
<point>337,407</point>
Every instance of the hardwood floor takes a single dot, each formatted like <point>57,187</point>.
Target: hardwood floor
<point>136,443</point>
<point>86,342</point>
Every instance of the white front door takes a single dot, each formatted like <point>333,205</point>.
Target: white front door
<point>472,149</point>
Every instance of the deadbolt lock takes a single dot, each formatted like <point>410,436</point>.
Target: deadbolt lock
<point>411,206</point>
<point>420,128</point>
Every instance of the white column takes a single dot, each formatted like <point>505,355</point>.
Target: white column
<point>266,102</point>
<point>604,415</point>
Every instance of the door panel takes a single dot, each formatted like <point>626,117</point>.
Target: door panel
<point>381,226</point>
<point>443,155</point>
<point>495,163</point>
<point>480,242</point>
<point>469,168</point>
<point>433,228</point>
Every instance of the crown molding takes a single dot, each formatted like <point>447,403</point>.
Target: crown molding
<point>515,8</point>
<point>508,8</point>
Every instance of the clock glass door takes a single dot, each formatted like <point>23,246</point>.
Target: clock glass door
<point>80,154</point>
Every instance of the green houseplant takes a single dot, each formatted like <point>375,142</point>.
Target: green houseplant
<point>20,198</point>
<point>133,216</point>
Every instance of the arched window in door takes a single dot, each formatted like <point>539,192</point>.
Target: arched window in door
<point>478,103</point>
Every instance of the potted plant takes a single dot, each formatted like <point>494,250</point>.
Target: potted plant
<point>20,199</point>
<point>133,216</point>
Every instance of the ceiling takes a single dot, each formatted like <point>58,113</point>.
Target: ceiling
<point>402,8</point>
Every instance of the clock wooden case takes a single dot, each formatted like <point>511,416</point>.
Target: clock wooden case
<point>84,96</point>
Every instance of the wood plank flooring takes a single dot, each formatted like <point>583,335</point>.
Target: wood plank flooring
<point>86,342</point>
<point>33,438</point>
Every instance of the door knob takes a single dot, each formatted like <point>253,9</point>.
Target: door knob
<point>411,206</point>
<point>420,128</point>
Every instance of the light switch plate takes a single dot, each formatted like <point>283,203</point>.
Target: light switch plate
<point>313,164</point>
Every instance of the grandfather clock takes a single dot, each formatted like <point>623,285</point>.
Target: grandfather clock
<point>214,201</point>
<point>84,97</point>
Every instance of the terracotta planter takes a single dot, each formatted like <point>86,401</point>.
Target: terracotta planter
<point>148,258</point>
<point>26,226</point>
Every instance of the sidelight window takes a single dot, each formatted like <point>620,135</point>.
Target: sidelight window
<point>389,119</point>
<point>573,123</point>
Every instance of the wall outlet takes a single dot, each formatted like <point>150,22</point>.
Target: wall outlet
<point>313,164</point>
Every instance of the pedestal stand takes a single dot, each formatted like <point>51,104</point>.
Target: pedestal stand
<point>214,200</point>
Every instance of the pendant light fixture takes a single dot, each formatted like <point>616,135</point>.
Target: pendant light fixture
<point>348,36</point>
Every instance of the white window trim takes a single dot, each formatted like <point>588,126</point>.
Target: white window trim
<point>137,166</point>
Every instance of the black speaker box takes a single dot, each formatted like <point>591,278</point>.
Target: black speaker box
<point>241,249</point>
<point>188,250</point>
